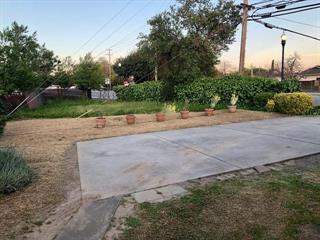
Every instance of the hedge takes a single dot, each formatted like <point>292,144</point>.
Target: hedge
<point>147,91</point>
<point>261,99</point>
<point>201,90</point>
<point>293,103</point>
<point>245,87</point>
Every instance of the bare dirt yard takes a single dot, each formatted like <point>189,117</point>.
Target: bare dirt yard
<point>49,147</point>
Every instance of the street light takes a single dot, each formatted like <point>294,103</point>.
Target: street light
<point>283,43</point>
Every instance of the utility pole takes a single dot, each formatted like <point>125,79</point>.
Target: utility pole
<point>109,60</point>
<point>108,82</point>
<point>245,7</point>
<point>156,73</point>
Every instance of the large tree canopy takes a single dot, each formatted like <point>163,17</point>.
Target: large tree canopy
<point>24,63</point>
<point>187,40</point>
<point>88,73</point>
<point>137,64</point>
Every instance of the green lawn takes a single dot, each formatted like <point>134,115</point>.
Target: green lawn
<point>270,206</point>
<point>74,108</point>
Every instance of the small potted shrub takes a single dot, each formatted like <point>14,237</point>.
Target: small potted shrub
<point>185,111</point>
<point>233,101</point>
<point>131,119</point>
<point>161,116</point>
<point>214,101</point>
<point>270,105</point>
<point>101,121</point>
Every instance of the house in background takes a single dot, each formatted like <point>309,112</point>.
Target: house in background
<point>310,79</point>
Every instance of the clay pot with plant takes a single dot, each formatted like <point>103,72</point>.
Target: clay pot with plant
<point>131,119</point>
<point>101,121</point>
<point>233,101</point>
<point>214,101</point>
<point>185,111</point>
<point>167,108</point>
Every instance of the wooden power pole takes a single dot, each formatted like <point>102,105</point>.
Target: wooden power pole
<point>245,8</point>
<point>109,60</point>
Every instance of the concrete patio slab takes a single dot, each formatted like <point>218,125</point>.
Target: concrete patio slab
<point>91,221</point>
<point>127,164</point>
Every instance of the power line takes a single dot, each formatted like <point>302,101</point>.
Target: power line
<point>301,23</point>
<point>280,4</point>
<point>119,28</point>
<point>262,2</point>
<point>271,26</point>
<point>103,26</point>
<point>300,9</point>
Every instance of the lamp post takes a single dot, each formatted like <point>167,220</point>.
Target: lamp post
<point>283,43</point>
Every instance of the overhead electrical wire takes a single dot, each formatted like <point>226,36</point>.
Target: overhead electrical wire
<point>293,21</point>
<point>121,26</point>
<point>103,26</point>
<point>84,44</point>
<point>271,26</point>
<point>290,10</point>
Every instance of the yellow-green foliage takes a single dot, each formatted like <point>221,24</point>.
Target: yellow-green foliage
<point>270,105</point>
<point>293,103</point>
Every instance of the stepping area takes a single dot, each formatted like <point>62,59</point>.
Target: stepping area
<point>127,164</point>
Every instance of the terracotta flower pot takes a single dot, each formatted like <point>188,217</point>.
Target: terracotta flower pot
<point>131,119</point>
<point>209,112</point>
<point>160,116</point>
<point>184,114</point>
<point>101,122</point>
<point>232,109</point>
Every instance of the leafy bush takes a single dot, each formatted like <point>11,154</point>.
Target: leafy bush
<point>2,117</point>
<point>2,124</point>
<point>14,171</point>
<point>270,105</point>
<point>290,86</point>
<point>293,103</point>
<point>246,88</point>
<point>147,91</point>
<point>260,99</point>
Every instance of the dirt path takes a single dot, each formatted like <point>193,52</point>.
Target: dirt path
<point>49,146</point>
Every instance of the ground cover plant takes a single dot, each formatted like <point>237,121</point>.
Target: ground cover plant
<point>14,171</point>
<point>277,205</point>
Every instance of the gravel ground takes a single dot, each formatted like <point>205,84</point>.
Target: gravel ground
<point>46,144</point>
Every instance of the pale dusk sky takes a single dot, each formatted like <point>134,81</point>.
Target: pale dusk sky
<point>65,25</point>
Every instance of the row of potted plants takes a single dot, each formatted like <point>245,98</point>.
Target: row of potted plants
<point>184,113</point>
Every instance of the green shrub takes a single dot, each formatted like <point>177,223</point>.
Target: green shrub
<point>147,91</point>
<point>289,86</point>
<point>14,171</point>
<point>293,103</point>
<point>2,124</point>
<point>245,87</point>
<point>260,99</point>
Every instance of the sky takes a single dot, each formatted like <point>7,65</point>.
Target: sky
<point>66,25</point>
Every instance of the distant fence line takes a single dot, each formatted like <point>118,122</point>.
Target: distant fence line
<point>15,99</point>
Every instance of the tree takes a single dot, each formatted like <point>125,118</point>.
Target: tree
<point>24,63</point>
<point>293,66</point>
<point>136,64</point>
<point>88,74</point>
<point>186,41</point>
<point>63,75</point>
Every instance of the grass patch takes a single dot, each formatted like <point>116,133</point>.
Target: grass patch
<point>269,206</point>
<point>14,171</point>
<point>74,108</point>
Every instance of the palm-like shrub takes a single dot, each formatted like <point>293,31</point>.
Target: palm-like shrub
<point>14,171</point>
